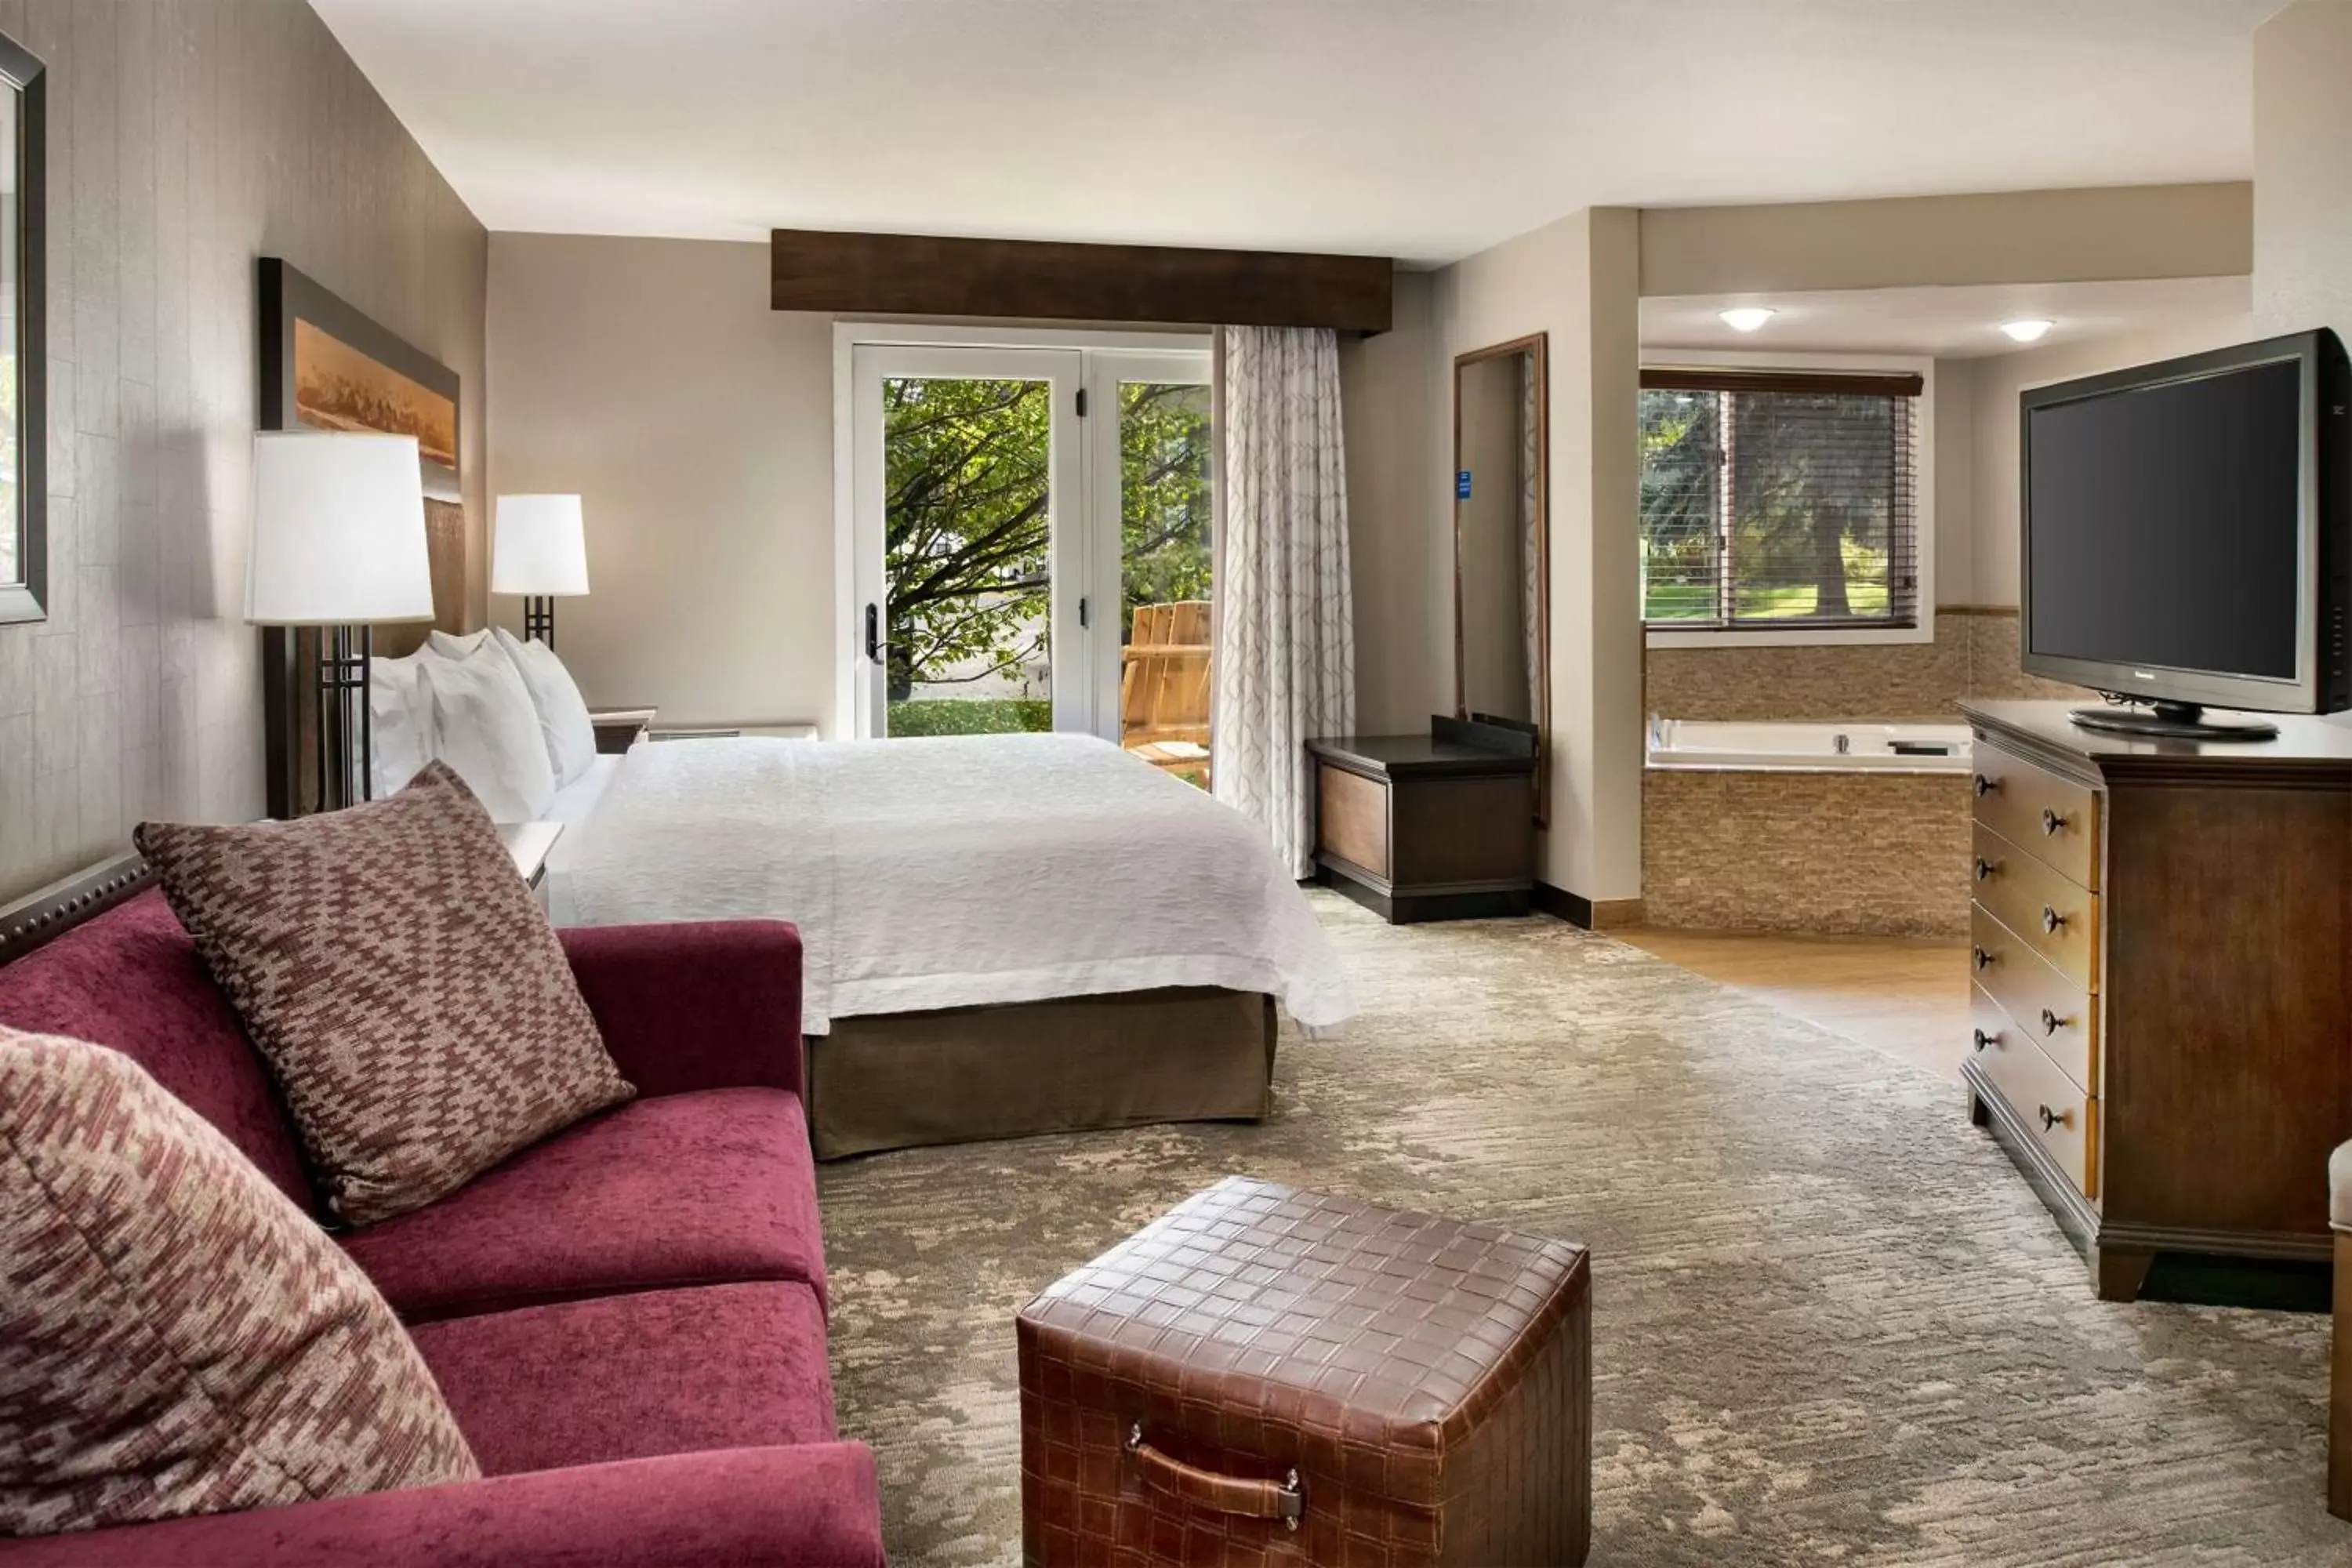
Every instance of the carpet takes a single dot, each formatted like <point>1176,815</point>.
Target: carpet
<point>1831,1323</point>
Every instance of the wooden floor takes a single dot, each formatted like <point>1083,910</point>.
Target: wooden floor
<point>1905,996</point>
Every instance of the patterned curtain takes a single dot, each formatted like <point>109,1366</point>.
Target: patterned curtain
<point>1286,658</point>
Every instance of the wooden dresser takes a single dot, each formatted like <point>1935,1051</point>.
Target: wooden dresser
<point>2161,949</point>
<point>1428,827</point>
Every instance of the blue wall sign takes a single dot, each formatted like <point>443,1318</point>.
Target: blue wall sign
<point>1461,484</point>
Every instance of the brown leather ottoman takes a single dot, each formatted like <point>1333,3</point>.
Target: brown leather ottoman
<point>1263,1375</point>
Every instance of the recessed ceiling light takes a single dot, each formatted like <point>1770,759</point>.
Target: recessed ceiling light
<point>2027,332</point>
<point>1747,318</point>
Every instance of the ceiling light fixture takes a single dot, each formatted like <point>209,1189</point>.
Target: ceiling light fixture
<point>1747,318</point>
<point>2027,332</point>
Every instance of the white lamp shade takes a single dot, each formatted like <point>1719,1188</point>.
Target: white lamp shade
<point>337,532</point>
<point>540,547</point>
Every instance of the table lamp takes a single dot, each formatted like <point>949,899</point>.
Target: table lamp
<point>338,545</point>
<point>539,552</point>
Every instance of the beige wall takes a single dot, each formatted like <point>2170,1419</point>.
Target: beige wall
<point>1575,279</point>
<point>184,141</point>
<point>2000,379</point>
<point>650,376</point>
<point>2302,169</point>
<point>2303,172</point>
<point>2015,236</point>
<point>1953,434</point>
<point>1390,389</point>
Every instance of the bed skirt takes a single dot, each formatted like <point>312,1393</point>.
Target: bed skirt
<point>898,1081</point>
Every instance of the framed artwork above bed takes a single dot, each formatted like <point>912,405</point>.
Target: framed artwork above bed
<point>326,366</point>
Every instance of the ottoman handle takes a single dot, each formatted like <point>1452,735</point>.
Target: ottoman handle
<point>1285,1501</point>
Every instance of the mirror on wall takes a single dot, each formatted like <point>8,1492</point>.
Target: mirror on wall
<point>1502,609</point>
<point>24,542</point>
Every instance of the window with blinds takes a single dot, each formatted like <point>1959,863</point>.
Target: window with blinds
<point>1780,499</point>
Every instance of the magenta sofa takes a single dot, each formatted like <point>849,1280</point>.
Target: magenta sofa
<point>628,1319</point>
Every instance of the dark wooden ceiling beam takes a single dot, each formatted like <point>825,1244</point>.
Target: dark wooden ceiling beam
<point>921,275</point>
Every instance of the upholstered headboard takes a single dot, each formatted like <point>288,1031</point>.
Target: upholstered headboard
<point>445,543</point>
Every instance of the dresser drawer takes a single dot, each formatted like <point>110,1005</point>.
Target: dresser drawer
<point>2045,1005</point>
<point>2056,918</point>
<point>2053,819</point>
<point>2054,1108</point>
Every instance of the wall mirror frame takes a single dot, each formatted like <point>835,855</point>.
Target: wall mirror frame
<point>23,341</point>
<point>1501,550</point>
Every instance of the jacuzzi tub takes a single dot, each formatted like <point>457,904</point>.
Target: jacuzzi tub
<point>1808,748</point>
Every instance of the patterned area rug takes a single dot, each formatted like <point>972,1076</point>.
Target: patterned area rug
<point>1831,1323</point>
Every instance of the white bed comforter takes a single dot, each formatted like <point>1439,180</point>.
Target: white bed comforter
<point>949,872</point>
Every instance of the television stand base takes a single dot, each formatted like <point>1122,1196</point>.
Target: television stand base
<point>2173,721</point>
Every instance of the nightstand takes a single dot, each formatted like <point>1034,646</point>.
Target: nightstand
<point>527,843</point>
<point>619,729</point>
<point>1428,827</point>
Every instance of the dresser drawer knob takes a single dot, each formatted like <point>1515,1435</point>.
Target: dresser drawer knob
<point>1985,868</point>
<point>2050,822</point>
<point>2051,1022</point>
<point>1985,786</point>
<point>1985,1041</point>
<point>2052,919</point>
<point>1983,959</point>
<point>2051,1119</point>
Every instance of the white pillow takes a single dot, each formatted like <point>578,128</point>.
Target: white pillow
<point>562,712</point>
<point>400,722</point>
<point>487,728</point>
<point>449,645</point>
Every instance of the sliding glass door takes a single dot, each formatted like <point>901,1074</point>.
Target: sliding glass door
<point>1149,444</point>
<point>1030,544</point>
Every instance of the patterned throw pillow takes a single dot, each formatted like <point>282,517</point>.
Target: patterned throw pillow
<point>175,1336</point>
<point>404,985</point>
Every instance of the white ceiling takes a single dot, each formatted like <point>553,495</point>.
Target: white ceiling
<point>1421,129</point>
<point>1948,323</point>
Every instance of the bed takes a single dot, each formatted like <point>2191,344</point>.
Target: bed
<point>1003,934</point>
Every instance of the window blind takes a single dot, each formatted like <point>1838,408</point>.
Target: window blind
<point>1779,499</point>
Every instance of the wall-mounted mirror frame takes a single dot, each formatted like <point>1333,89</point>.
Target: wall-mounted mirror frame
<point>1532,482</point>
<point>23,347</point>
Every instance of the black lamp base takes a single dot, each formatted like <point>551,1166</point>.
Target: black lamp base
<point>345,752</point>
<point>538,619</point>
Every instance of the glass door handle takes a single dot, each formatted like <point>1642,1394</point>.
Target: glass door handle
<point>874,643</point>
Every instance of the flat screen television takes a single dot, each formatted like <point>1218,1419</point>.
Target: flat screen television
<point>2188,531</point>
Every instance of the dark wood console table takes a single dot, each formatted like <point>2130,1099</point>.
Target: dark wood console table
<point>1428,827</point>
<point>2161,949</point>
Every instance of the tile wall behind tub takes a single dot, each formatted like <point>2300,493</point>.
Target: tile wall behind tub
<point>1881,854</point>
<point>1994,659</point>
<point>1975,653</point>
<point>187,137</point>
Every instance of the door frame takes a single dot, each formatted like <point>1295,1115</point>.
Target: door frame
<point>853,687</point>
